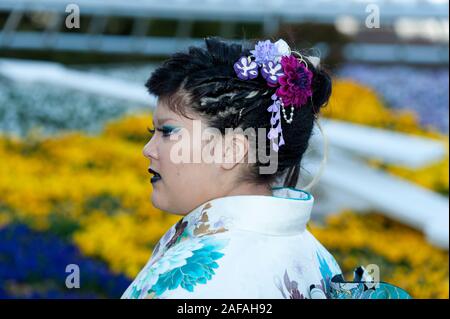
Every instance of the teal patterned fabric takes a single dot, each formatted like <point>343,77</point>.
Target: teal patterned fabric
<point>357,289</point>
<point>187,264</point>
<point>197,269</point>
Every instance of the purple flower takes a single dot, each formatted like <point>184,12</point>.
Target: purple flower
<point>37,261</point>
<point>277,130</point>
<point>295,84</point>
<point>415,93</point>
<point>273,133</point>
<point>264,52</point>
<point>246,69</point>
<point>274,107</point>
<point>271,72</point>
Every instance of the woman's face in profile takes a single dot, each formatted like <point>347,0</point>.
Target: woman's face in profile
<point>184,183</point>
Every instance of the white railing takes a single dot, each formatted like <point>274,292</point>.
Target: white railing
<point>244,10</point>
<point>270,14</point>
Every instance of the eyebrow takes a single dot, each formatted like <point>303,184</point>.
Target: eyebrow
<point>161,121</point>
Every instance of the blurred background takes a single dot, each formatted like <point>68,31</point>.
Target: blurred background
<point>73,116</point>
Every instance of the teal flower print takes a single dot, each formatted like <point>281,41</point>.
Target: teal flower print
<point>185,264</point>
<point>325,272</point>
<point>357,289</point>
<point>198,268</point>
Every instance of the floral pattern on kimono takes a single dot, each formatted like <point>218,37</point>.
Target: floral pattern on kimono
<point>358,289</point>
<point>181,259</point>
<point>249,246</point>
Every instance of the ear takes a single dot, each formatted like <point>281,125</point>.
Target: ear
<point>236,147</point>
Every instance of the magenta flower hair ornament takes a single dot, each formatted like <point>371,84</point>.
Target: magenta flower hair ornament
<point>284,70</point>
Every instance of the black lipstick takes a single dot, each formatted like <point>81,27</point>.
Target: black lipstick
<point>156,176</point>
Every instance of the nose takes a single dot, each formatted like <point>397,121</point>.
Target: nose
<point>149,151</point>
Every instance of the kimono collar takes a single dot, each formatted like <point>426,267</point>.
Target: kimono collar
<point>286,212</point>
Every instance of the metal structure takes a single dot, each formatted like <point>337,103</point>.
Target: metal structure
<point>270,14</point>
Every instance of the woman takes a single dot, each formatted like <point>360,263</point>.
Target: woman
<point>241,235</point>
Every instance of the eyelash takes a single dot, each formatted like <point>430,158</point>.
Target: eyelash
<point>164,131</point>
<point>150,130</point>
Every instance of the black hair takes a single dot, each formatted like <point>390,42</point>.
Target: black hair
<point>203,80</point>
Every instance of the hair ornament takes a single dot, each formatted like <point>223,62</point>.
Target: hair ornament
<point>285,70</point>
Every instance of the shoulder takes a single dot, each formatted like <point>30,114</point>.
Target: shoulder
<point>325,258</point>
<point>235,264</point>
<point>239,264</point>
<point>209,266</point>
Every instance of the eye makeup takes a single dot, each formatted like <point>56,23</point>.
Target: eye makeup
<point>166,130</point>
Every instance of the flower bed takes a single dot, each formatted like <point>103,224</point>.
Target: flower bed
<point>33,265</point>
<point>421,90</point>
<point>70,194</point>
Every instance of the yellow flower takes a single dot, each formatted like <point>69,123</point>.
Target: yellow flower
<point>123,240</point>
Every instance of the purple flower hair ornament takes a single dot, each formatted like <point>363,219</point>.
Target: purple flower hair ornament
<point>264,52</point>
<point>246,69</point>
<point>284,70</point>
<point>275,131</point>
<point>295,83</point>
<point>271,72</point>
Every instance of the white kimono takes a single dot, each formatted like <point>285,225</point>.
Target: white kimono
<point>247,246</point>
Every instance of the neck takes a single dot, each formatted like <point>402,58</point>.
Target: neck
<point>250,189</point>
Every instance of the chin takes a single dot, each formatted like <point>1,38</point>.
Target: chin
<point>154,200</point>
<point>164,206</point>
